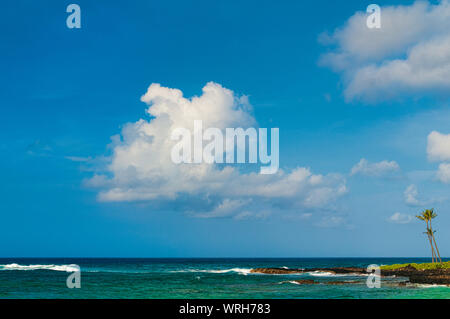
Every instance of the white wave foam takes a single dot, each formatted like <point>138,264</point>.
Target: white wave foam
<point>67,268</point>
<point>242,271</point>
<point>293,282</point>
<point>431,286</point>
<point>319,273</point>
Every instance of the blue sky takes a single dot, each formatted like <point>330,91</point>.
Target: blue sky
<point>337,97</point>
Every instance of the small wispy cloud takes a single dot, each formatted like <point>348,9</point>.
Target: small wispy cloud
<point>330,221</point>
<point>411,194</point>
<point>443,173</point>
<point>399,218</point>
<point>39,148</point>
<point>364,167</point>
<point>306,216</point>
<point>78,158</point>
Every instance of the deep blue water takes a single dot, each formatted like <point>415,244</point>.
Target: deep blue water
<point>197,278</point>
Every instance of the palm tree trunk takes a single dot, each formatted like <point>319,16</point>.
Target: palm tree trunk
<point>434,240</point>
<point>440,260</point>
<point>432,249</point>
<point>431,244</point>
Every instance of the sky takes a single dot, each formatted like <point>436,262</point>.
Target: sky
<point>363,117</point>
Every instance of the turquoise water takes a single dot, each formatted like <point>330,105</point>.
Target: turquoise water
<point>197,278</point>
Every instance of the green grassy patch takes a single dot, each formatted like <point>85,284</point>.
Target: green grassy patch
<point>424,266</point>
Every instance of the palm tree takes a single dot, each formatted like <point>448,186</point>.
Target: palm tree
<point>425,216</point>
<point>433,254</point>
<point>433,215</point>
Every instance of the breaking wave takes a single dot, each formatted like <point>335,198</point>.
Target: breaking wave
<point>289,282</point>
<point>431,286</point>
<point>241,271</point>
<point>321,273</point>
<point>330,274</point>
<point>67,268</point>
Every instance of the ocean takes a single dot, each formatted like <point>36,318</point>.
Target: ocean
<point>198,278</point>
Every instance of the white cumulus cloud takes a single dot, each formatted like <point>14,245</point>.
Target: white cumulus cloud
<point>140,167</point>
<point>409,54</point>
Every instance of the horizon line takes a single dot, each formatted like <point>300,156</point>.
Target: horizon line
<point>118,257</point>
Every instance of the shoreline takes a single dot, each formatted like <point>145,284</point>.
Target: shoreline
<point>414,276</point>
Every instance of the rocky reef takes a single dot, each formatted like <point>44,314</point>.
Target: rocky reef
<point>420,276</point>
<point>413,275</point>
<point>286,271</point>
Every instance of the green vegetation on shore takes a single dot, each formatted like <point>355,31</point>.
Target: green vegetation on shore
<point>421,266</point>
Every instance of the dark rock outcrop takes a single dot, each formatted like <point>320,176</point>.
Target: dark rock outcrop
<point>415,276</point>
<point>334,270</point>
<point>313,282</point>
<point>276,271</point>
